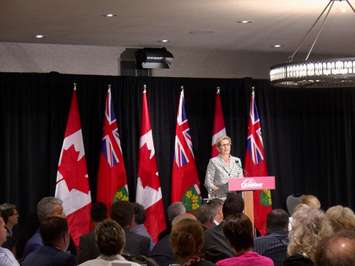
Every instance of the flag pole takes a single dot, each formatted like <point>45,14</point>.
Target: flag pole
<point>248,195</point>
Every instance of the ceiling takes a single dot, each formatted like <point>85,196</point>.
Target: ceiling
<point>210,24</point>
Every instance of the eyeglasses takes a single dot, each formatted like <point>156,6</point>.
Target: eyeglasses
<point>225,145</point>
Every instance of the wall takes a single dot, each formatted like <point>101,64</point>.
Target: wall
<point>99,60</point>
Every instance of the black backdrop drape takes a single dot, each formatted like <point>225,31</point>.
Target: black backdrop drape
<point>307,132</point>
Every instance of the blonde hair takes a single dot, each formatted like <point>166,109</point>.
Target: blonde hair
<point>341,218</point>
<point>218,143</point>
<point>309,226</point>
<point>311,200</point>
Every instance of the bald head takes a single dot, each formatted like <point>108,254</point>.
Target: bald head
<point>337,250</point>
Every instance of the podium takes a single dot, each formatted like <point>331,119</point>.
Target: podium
<point>247,185</point>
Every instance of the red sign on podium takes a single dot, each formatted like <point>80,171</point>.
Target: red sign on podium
<point>251,183</point>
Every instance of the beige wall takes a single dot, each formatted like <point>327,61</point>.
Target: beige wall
<point>98,60</point>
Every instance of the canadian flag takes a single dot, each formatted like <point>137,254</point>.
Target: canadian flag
<point>219,130</point>
<point>148,185</point>
<point>72,179</point>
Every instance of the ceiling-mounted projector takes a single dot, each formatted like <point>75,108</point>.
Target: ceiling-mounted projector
<point>153,58</point>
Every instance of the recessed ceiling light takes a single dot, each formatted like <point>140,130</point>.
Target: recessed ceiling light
<point>245,21</point>
<point>277,45</point>
<point>39,36</point>
<point>110,15</point>
<point>164,41</point>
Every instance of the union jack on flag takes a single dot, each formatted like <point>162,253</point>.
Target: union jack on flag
<point>111,140</point>
<point>183,138</point>
<point>255,141</point>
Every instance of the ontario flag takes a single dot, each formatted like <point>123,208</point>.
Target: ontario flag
<point>111,178</point>
<point>72,185</point>
<point>185,180</point>
<point>255,165</point>
<point>148,185</point>
<point>219,129</point>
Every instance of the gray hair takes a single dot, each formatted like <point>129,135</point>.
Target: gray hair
<point>45,207</point>
<point>175,209</point>
<point>309,226</point>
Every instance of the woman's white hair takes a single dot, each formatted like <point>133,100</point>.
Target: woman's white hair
<point>309,226</point>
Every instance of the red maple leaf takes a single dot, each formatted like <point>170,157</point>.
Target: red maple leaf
<point>148,170</point>
<point>73,170</point>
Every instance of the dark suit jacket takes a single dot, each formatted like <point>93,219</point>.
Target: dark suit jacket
<point>162,253</point>
<point>88,249</point>
<point>216,246</point>
<point>136,244</point>
<point>49,256</point>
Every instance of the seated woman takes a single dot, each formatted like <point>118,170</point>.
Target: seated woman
<point>110,239</point>
<point>239,231</point>
<point>186,241</point>
<point>309,226</point>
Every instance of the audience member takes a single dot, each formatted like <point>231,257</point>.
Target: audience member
<point>310,200</point>
<point>46,207</point>
<point>55,237</point>
<point>162,252</point>
<point>239,231</point>
<point>87,248</point>
<point>6,256</point>
<point>123,213</point>
<point>341,218</point>
<point>216,246</point>
<point>216,205</point>
<point>138,223</point>
<point>110,240</point>
<point>309,225</point>
<point>10,215</point>
<point>186,241</point>
<point>337,250</point>
<point>205,215</point>
<point>274,244</point>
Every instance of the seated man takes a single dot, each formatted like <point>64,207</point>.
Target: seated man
<point>6,256</point>
<point>138,223</point>
<point>55,237</point>
<point>216,246</point>
<point>274,244</point>
<point>46,207</point>
<point>162,252</point>
<point>110,240</point>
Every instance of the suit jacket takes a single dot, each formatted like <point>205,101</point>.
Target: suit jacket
<point>218,173</point>
<point>136,244</point>
<point>34,243</point>
<point>88,249</point>
<point>162,252</point>
<point>216,246</point>
<point>49,256</point>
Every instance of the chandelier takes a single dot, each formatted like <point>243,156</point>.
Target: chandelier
<point>335,72</point>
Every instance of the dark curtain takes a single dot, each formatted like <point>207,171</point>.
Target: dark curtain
<point>307,132</point>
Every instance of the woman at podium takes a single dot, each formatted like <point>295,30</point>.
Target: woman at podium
<point>221,169</point>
